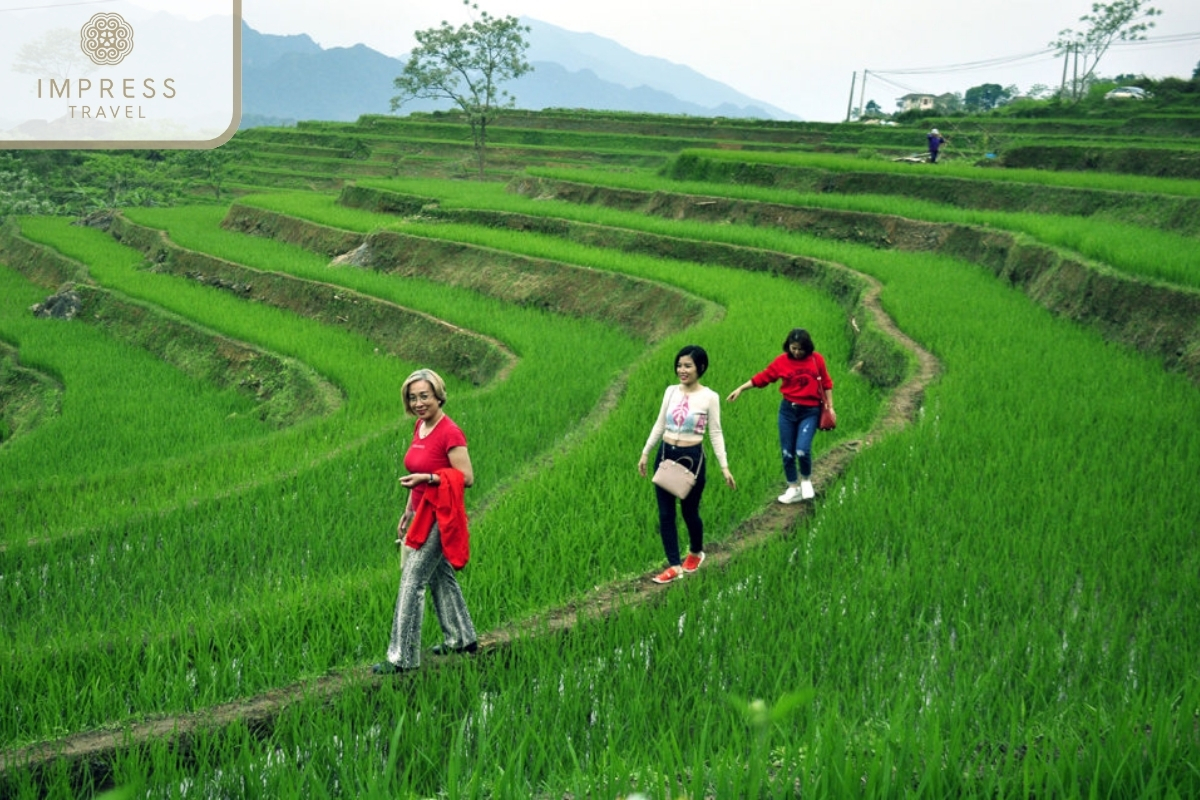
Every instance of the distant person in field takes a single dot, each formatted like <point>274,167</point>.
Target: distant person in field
<point>935,142</point>
<point>801,370</point>
<point>433,529</point>
<point>688,411</point>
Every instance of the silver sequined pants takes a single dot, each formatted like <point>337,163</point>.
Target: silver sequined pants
<point>427,567</point>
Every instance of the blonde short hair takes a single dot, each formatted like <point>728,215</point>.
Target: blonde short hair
<point>434,380</point>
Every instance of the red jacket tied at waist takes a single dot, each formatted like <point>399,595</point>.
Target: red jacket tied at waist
<point>443,504</point>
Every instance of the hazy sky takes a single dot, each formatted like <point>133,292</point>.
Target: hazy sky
<point>793,54</point>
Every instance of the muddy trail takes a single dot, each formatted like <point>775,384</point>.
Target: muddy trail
<point>91,752</point>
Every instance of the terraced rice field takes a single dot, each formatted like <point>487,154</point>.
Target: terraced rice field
<point>994,594</point>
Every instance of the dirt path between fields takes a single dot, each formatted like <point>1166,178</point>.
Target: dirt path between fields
<point>90,751</point>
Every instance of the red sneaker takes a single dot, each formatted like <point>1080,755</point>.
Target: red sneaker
<point>669,574</point>
<point>693,561</point>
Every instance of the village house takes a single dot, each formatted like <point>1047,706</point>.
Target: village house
<point>947,102</point>
<point>919,102</point>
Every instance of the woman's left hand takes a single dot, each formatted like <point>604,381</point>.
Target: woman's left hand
<point>729,481</point>
<point>413,478</point>
<point>642,465</point>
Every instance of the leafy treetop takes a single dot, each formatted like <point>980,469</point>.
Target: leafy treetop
<point>467,66</point>
<point>1120,20</point>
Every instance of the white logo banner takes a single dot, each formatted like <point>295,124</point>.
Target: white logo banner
<point>119,73</point>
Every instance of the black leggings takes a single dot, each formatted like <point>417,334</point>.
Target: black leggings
<point>690,506</point>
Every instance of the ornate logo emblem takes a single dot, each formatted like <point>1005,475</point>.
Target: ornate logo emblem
<point>106,39</point>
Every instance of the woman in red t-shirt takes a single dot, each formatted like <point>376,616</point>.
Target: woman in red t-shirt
<point>437,444</point>
<point>802,372</point>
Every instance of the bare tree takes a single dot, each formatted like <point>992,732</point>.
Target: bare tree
<point>55,54</point>
<point>1118,21</point>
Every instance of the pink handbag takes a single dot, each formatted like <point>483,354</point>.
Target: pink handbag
<point>674,477</point>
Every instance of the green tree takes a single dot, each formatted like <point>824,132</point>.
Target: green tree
<point>986,96</point>
<point>467,66</point>
<point>117,179</point>
<point>950,102</point>
<point>21,192</point>
<point>1196,72</point>
<point>207,167</point>
<point>1120,20</point>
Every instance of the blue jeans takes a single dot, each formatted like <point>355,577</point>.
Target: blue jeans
<point>690,506</point>
<point>797,427</point>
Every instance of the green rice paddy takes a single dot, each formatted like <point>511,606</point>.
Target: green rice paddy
<point>997,598</point>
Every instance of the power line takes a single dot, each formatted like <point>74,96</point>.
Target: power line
<point>1046,54</point>
<point>59,5</point>
<point>965,66</point>
<point>1161,42</point>
<point>1173,38</point>
<point>895,84</point>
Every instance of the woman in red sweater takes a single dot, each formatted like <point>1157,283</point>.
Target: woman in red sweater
<point>802,372</point>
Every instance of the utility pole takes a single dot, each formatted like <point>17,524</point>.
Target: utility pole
<point>863,94</point>
<point>1075,77</point>
<point>850,102</point>
<point>1062,89</point>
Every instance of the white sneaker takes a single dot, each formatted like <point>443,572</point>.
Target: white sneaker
<point>806,490</point>
<point>792,495</point>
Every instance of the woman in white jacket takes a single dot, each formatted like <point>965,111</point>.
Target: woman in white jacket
<point>688,411</point>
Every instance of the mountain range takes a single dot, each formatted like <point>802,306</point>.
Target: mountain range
<point>289,78</point>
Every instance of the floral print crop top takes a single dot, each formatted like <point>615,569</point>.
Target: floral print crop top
<point>694,414</point>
